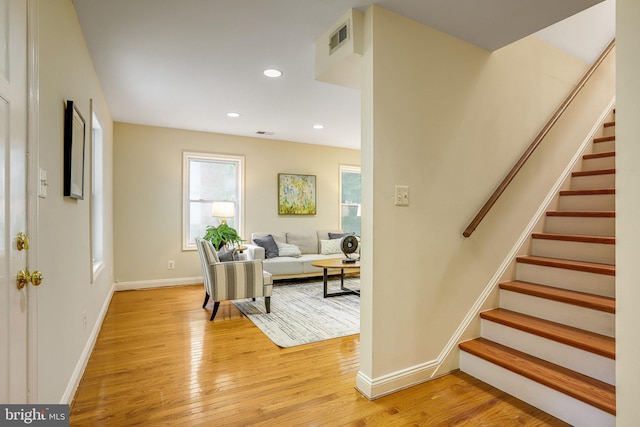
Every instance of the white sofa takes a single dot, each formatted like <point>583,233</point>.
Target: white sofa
<point>312,244</point>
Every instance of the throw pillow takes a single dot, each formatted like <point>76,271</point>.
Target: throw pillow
<point>286,249</point>
<point>339,235</point>
<point>330,247</point>
<point>226,254</point>
<point>269,245</point>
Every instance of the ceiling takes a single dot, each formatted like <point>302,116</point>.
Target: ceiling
<point>186,63</point>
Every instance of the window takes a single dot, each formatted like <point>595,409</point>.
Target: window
<point>350,199</point>
<point>97,196</point>
<point>210,178</point>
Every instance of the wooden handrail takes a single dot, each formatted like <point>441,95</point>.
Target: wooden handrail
<point>536,142</point>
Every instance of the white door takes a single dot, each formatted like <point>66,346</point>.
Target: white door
<point>13,140</point>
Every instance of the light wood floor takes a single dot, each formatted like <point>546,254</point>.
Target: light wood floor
<point>159,361</point>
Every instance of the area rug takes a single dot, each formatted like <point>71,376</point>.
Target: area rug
<point>300,315</point>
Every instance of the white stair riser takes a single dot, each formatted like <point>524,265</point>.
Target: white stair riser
<point>608,131</point>
<point>587,363</point>
<point>581,225</point>
<point>593,182</point>
<point>581,281</point>
<point>584,318</point>
<point>576,251</point>
<point>599,163</point>
<point>568,409</point>
<point>604,147</point>
<point>589,203</point>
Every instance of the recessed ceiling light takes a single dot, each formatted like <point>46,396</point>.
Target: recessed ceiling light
<point>318,126</point>
<point>272,72</point>
<point>233,114</point>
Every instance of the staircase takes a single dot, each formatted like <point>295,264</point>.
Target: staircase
<point>551,343</point>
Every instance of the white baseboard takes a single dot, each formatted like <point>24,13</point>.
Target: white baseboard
<point>76,376</point>
<point>395,381</point>
<point>158,283</point>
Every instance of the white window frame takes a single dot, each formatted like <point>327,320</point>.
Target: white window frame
<point>346,168</point>
<point>97,215</point>
<point>186,158</point>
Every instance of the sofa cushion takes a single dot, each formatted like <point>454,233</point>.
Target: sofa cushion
<point>269,245</point>
<point>278,236</point>
<point>307,241</point>
<point>286,249</point>
<point>340,235</point>
<point>330,247</point>
<point>284,266</point>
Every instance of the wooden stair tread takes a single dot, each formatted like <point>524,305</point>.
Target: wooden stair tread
<point>589,267</point>
<point>609,124</point>
<point>594,172</point>
<point>605,240</point>
<point>586,214</point>
<point>589,390</point>
<point>581,299</point>
<point>574,337</point>
<point>596,192</point>
<point>604,138</point>
<point>599,155</point>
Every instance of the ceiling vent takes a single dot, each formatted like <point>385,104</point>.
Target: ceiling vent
<point>339,37</point>
<point>262,132</point>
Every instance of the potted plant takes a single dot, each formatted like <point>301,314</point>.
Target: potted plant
<point>222,235</point>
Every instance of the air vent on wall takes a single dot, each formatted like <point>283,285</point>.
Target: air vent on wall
<point>262,132</point>
<point>339,51</point>
<point>339,37</point>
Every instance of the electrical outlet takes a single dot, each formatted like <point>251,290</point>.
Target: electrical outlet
<point>402,195</point>
<point>84,319</point>
<point>171,264</point>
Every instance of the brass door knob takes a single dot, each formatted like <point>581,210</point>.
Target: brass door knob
<point>36,278</point>
<point>25,277</point>
<point>22,241</point>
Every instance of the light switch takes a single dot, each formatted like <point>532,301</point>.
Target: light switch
<point>402,195</point>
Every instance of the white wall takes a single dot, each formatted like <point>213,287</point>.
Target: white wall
<point>63,247</point>
<point>449,120</point>
<point>627,213</point>
<point>148,194</point>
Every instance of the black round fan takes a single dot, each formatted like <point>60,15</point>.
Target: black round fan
<point>348,245</point>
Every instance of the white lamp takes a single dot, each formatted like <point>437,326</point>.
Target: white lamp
<point>224,210</point>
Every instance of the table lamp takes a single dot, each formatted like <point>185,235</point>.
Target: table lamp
<point>223,210</point>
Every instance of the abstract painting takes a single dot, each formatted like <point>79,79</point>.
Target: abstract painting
<point>296,194</point>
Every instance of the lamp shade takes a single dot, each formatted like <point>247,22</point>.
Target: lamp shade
<point>224,209</point>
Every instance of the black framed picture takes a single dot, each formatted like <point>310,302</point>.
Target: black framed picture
<point>74,141</point>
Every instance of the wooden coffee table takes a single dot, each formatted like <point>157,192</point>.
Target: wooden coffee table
<point>335,263</point>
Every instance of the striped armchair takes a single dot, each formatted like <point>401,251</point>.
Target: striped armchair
<point>232,280</point>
